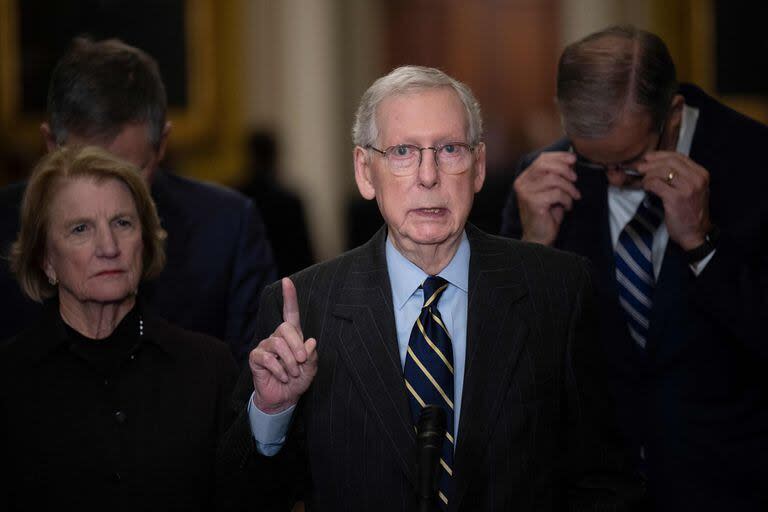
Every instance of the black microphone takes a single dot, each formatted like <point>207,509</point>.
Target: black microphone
<point>430,433</point>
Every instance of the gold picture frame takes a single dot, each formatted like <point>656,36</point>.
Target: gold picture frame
<point>192,123</point>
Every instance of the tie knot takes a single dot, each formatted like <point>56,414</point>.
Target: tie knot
<point>650,212</point>
<point>434,286</point>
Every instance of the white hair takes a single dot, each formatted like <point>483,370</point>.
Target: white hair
<point>409,79</point>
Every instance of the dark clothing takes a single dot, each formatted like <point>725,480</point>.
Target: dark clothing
<point>697,398</point>
<point>491,199</point>
<point>531,434</point>
<point>218,261</point>
<point>126,423</point>
<point>363,221</point>
<point>285,223</point>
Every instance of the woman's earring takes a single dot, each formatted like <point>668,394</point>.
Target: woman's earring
<point>53,281</point>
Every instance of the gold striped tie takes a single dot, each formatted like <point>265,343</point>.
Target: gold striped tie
<point>428,374</point>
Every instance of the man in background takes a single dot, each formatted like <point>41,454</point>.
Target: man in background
<point>111,94</point>
<point>281,208</point>
<point>663,189</point>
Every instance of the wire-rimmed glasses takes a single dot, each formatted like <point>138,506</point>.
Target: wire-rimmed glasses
<point>405,159</point>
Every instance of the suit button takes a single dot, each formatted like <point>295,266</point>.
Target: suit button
<point>120,417</point>
<point>116,477</point>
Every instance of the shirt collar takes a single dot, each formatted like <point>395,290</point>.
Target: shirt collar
<point>406,277</point>
<point>687,127</point>
<point>57,335</point>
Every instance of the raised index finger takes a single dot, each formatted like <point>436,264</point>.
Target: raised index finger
<point>290,304</point>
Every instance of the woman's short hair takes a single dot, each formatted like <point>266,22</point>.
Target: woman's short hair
<point>618,68</point>
<point>407,79</point>
<point>51,172</point>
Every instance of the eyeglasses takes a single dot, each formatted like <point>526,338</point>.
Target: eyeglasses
<point>628,167</point>
<point>583,163</point>
<point>405,159</point>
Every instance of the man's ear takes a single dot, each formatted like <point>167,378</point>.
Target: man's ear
<point>163,141</point>
<point>48,138</point>
<point>363,176</point>
<point>149,172</point>
<point>674,120</point>
<point>479,167</point>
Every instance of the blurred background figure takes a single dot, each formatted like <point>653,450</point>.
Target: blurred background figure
<point>281,209</point>
<point>111,94</point>
<point>102,403</point>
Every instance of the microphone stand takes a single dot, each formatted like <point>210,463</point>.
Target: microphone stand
<point>430,434</point>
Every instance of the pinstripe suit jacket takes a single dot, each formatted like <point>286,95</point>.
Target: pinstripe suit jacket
<point>531,434</point>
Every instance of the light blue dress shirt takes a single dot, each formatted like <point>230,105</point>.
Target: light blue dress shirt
<point>269,430</point>
<point>407,297</point>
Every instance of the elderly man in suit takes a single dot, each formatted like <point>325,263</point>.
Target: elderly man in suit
<point>663,189</point>
<point>111,94</point>
<point>431,310</point>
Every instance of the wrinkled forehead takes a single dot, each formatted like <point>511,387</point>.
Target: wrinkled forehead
<point>631,135</point>
<point>436,112</point>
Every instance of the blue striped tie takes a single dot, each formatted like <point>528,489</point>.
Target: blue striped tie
<point>428,374</point>
<point>634,267</point>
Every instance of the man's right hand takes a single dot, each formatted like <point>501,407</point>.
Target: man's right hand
<point>284,364</point>
<point>545,191</point>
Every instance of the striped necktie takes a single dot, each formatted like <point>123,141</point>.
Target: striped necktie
<point>634,267</point>
<point>428,374</point>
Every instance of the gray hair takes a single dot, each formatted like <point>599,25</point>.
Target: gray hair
<point>407,79</point>
<point>610,71</point>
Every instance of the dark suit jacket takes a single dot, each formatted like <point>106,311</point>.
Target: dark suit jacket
<point>698,397</point>
<point>79,435</point>
<point>218,261</point>
<point>532,411</point>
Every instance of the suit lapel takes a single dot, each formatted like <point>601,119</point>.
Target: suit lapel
<point>368,346</point>
<point>669,300</point>
<point>495,336</point>
<point>587,231</point>
<point>675,273</point>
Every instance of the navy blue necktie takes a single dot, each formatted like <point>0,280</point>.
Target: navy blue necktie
<point>428,374</point>
<point>634,267</point>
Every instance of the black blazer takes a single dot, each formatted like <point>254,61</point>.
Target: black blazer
<point>77,435</point>
<point>218,261</point>
<point>531,433</point>
<point>697,399</point>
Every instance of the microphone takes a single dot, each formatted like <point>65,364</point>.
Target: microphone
<point>430,434</point>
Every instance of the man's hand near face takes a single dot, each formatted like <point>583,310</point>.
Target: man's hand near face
<point>545,191</point>
<point>683,187</point>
